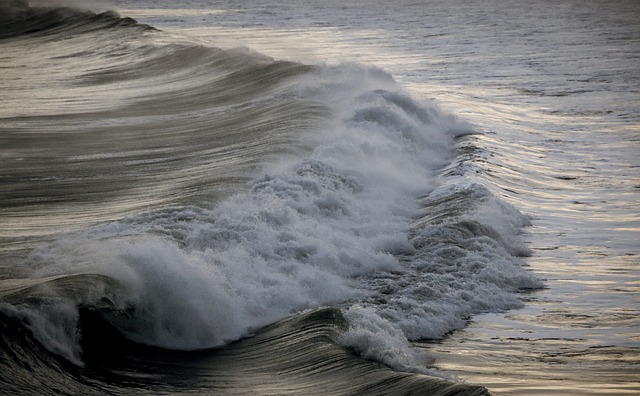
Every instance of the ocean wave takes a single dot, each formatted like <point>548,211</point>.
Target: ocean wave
<point>207,193</point>
<point>19,18</point>
<point>295,355</point>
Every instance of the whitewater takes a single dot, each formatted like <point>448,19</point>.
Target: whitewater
<point>334,198</point>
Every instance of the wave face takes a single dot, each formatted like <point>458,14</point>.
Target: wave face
<point>295,356</point>
<point>19,18</point>
<point>168,196</point>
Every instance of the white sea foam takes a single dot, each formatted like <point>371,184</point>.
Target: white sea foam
<point>327,229</point>
<point>378,339</point>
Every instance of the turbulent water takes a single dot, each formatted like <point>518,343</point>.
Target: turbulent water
<point>336,198</point>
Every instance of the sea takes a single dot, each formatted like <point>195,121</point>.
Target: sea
<point>336,197</point>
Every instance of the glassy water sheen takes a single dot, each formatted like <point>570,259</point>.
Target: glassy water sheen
<point>336,197</point>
